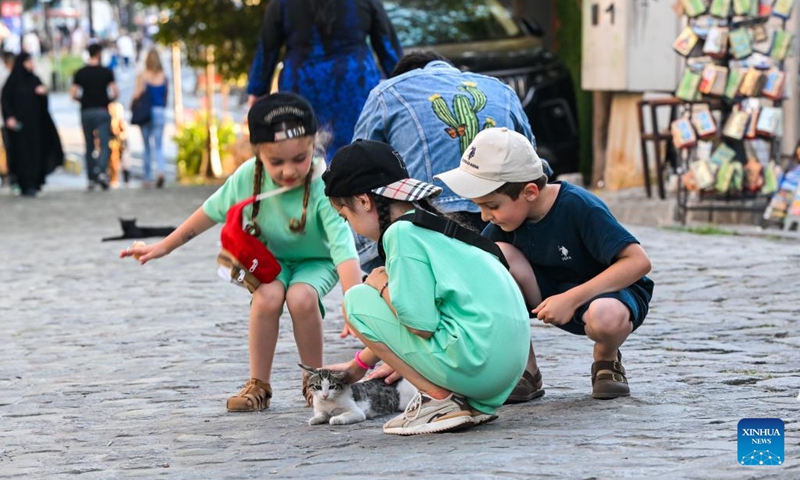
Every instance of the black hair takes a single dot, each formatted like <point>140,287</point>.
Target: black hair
<point>415,60</point>
<point>513,189</point>
<point>324,12</point>
<point>8,57</point>
<point>383,204</point>
<point>94,49</point>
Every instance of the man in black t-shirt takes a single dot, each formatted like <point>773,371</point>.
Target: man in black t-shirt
<point>95,88</point>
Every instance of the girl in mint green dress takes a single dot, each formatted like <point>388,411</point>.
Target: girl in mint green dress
<point>298,225</point>
<point>444,314</point>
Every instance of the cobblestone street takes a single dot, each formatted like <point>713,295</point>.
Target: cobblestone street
<point>110,369</point>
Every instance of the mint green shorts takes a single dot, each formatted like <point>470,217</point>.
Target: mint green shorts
<point>320,274</point>
<point>485,378</point>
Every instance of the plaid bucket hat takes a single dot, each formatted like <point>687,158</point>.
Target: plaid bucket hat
<point>370,166</point>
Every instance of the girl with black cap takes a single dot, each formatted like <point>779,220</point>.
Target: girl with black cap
<point>444,314</point>
<point>312,245</point>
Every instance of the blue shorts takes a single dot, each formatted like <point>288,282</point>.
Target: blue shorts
<point>636,298</point>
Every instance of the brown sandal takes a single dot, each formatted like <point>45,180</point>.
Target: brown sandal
<point>254,397</point>
<point>526,390</point>
<point>613,384</point>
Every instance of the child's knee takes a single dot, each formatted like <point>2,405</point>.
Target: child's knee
<point>607,317</point>
<point>268,298</point>
<point>301,297</point>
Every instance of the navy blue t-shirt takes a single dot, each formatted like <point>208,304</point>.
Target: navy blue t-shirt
<point>575,241</point>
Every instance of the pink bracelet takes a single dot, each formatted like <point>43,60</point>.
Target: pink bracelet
<point>360,362</point>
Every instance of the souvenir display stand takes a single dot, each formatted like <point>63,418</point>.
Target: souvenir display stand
<point>730,122</point>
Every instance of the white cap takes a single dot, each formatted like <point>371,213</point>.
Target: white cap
<point>495,157</point>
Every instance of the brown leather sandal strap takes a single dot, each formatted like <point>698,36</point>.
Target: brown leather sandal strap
<point>252,392</point>
<point>264,386</point>
<point>611,376</point>
<point>614,366</point>
<point>254,400</point>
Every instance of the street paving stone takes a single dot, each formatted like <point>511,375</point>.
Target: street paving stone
<point>109,369</point>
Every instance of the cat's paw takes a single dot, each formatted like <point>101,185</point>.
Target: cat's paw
<point>317,420</point>
<point>344,420</point>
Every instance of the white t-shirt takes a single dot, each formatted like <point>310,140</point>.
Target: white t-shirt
<point>126,47</point>
<point>31,44</point>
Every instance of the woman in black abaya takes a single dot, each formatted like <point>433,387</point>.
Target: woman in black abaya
<point>34,148</point>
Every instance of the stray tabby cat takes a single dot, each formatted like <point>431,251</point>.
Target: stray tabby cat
<point>338,403</point>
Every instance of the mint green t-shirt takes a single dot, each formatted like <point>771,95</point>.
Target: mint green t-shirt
<point>326,236</point>
<point>462,294</point>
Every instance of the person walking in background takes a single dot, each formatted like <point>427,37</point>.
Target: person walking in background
<point>91,86</point>
<point>5,71</point>
<point>126,49</point>
<point>31,44</point>
<point>117,163</point>
<point>327,59</point>
<point>6,67</point>
<point>153,82</point>
<point>34,147</point>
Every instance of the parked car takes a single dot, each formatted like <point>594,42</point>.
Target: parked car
<point>483,36</point>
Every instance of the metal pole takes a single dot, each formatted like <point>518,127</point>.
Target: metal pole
<point>91,20</point>
<point>214,162</point>
<point>176,85</point>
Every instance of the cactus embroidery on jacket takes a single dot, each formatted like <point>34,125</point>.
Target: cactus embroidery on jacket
<point>462,122</point>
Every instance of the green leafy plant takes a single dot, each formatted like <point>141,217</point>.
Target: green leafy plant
<point>65,67</point>
<point>232,26</point>
<point>192,140</point>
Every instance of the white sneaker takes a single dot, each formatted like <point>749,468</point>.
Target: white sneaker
<point>425,414</point>
<point>480,418</point>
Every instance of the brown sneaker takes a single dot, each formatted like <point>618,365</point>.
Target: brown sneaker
<point>425,414</point>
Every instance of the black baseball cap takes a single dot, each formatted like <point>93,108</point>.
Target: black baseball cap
<point>370,166</point>
<point>280,116</point>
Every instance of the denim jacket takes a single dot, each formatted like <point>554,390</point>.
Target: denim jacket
<point>430,115</point>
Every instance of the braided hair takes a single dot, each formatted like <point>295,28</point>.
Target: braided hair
<point>252,228</point>
<point>295,225</point>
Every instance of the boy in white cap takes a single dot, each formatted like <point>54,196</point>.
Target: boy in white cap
<point>576,265</point>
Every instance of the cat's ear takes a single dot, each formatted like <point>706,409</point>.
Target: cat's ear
<point>307,368</point>
<point>340,375</point>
